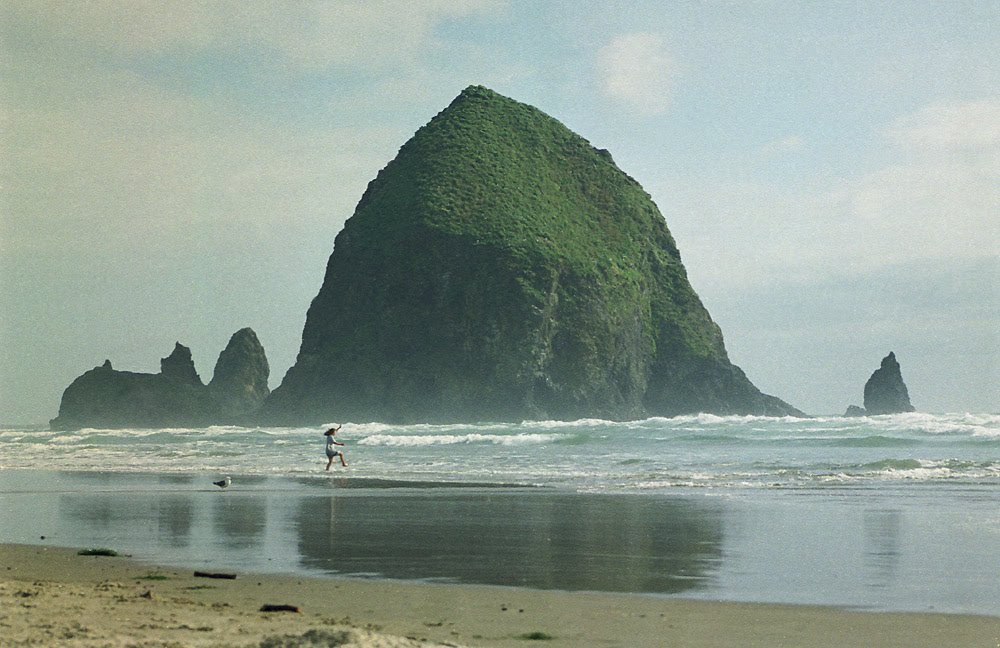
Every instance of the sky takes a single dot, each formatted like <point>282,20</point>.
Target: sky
<point>178,171</point>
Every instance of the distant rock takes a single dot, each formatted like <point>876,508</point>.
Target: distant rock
<point>502,268</point>
<point>178,367</point>
<point>106,398</point>
<point>239,383</point>
<point>176,397</point>
<point>853,411</point>
<point>885,391</point>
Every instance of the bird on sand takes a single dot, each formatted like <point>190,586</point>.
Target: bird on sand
<point>224,483</point>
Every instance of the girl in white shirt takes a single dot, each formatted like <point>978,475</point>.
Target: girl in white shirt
<point>331,449</point>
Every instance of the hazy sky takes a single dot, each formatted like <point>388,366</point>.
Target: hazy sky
<point>175,171</point>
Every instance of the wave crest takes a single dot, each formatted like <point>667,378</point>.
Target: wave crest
<point>453,439</point>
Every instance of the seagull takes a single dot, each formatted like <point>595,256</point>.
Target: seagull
<point>224,483</point>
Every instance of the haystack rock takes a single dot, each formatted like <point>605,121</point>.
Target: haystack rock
<point>885,391</point>
<point>239,383</point>
<point>502,268</point>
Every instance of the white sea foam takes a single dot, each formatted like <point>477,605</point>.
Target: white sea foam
<point>65,439</point>
<point>453,439</point>
<point>579,423</point>
<point>937,424</point>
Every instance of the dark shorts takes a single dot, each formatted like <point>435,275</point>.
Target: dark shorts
<point>332,453</point>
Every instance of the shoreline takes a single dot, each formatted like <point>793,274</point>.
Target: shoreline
<point>52,595</point>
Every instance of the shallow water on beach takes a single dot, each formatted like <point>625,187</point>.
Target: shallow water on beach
<point>886,513</point>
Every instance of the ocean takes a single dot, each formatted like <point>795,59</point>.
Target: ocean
<point>719,454</point>
<point>885,513</point>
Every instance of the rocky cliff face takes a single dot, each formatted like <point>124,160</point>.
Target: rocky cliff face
<point>239,383</point>
<point>500,267</point>
<point>885,391</point>
<point>176,397</point>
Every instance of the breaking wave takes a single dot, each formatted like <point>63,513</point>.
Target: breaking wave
<point>701,451</point>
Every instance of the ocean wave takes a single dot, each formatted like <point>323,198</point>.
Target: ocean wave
<point>579,423</point>
<point>698,451</point>
<point>703,419</point>
<point>368,429</point>
<point>939,424</point>
<point>915,470</point>
<point>63,439</point>
<point>707,438</point>
<point>873,441</point>
<point>894,464</point>
<point>453,439</point>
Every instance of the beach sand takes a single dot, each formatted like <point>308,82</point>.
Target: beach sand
<point>53,596</point>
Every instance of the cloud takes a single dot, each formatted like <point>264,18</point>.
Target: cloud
<point>941,195</point>
<point>316,34</point>
<point>950,127</point>
<point>934,198</point>
<point>780,147</point>
<point>134,164</point>
<point>637,71</point>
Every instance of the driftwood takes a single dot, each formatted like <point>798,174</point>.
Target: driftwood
<point>201,574</point>
<point>267,607</point>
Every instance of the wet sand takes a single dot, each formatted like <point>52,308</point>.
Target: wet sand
<point>884,553</point>
<point>52,596</point>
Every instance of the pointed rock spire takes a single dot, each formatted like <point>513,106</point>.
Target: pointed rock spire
<point>239,383</point>
<point>885,391</point>
<point>179,366</point>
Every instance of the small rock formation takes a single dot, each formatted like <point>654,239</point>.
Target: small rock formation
<point>854,411</point>
<point>885,391</point>
<point>239,383</point>
<point>176,397</point>
<point>502,268</point>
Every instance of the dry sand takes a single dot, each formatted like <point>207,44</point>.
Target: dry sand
<point>54,597</point>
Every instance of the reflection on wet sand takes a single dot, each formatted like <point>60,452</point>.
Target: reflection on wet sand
<point>573,542</point>
<point>174,518</point>
<point>93,510</point>
<point>239,521</point>
<point>882,532</point>
<point>884,552</point>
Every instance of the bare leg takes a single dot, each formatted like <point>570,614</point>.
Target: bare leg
<point>329,462</point>
<point>342,462</point>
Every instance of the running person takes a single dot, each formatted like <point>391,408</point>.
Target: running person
<point>331,447</point>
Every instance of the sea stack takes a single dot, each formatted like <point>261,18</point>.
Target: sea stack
<point>106,398</point>
<point>502,268</point>
<point>239,382</point>
<point>176,397</point>
<point>885,391</point>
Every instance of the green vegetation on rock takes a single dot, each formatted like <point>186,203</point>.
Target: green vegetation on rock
<point>501,267</point>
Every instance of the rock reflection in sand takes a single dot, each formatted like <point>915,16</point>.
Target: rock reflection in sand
<point>552,541</point>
